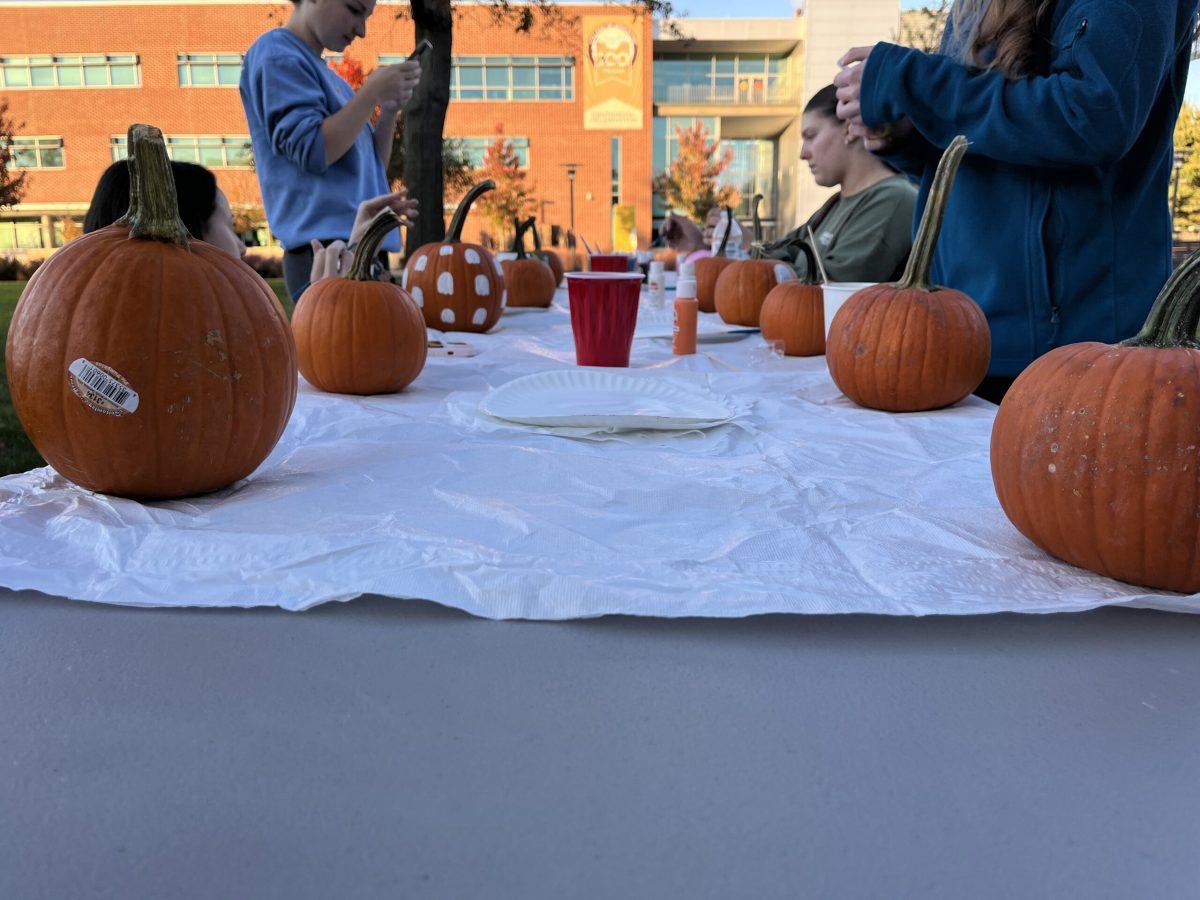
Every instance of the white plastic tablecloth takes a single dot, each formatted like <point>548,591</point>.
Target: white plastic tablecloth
<point>804,504</point>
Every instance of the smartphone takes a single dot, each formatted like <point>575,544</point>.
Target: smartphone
<point>421,49</point>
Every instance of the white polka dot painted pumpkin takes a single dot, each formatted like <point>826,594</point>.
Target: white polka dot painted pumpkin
<point>458,286</point>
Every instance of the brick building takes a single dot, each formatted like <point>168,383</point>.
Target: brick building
<point>601,88</point>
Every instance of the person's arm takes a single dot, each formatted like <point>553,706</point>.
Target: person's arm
<point>910,155</point>
<point>1089,112</point>
<point>282,93</point>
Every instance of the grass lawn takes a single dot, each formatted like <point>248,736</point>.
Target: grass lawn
<point>16,453</point>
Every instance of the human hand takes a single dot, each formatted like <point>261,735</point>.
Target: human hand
<point>882,138</point>
<point>398,201</point>
<point>333,261</point>
<point>392,86</point>
<point>849,84</point>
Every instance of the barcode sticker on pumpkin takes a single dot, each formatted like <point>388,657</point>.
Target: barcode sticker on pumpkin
<point>101,388</point>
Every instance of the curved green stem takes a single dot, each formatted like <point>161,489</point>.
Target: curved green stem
<point>754,204</point>
<point>916,273</point>
<point>1174,319</point>
<point>153,204</point>
<point>454,233</point>
<point>519,242</point>
<point>368,244</point>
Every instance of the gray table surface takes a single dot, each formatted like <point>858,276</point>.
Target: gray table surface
<point>387,748</point>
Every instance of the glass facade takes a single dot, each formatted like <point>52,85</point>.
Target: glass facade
<point>21,234</point>
<point>723,78</point>
<point>37,152</point>
<point>92,70</point>
<point>209,69</point>
<point>751,171</point>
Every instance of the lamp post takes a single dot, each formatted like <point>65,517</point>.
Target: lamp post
<point>571,168</point>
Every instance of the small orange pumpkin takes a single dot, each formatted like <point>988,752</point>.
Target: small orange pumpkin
<point>549,257</point>
<point>794,313</point>
<point>1093,449</point>
<point>529,281</point>
<point>910,346</point>
<point>459,287</point>
<point>708,268</point>
<point>358,335</point>
<point>145,363</point>
<point>742,287</point>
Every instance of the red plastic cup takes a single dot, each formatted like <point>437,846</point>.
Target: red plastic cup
<point>604,307</point>
<point>609,262</point>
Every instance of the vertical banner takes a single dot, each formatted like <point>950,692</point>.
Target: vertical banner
<point>624,226</point>
<point>612,76</point>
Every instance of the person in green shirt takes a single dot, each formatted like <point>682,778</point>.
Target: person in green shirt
<point>864,232</point>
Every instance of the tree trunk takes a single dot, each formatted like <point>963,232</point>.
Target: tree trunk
<point>424,120</point>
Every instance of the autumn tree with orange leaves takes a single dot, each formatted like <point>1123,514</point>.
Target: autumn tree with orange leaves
<point>513,196</point>
<point>690,184</point>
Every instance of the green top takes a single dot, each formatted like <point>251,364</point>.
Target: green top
<point>866,237</point>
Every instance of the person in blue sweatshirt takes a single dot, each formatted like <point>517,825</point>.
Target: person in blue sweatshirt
<point>316,151</point>
<point>1058,223</point>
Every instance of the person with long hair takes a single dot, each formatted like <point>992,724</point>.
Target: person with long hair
<point>1057,224</point>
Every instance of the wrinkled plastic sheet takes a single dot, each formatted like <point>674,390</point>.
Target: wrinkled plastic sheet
<point>803,504</point>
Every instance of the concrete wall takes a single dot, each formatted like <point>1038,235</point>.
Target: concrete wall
<point>833,27</point>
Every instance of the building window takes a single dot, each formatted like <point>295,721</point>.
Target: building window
<point>37,152</point>
<point>100,70</point>
<point>473,149</point>
<point>723,78</point>
<point>209,69</point>
<point>213,150</point>
<point>509,77</point>
<point>21,234</point>
<point>616,170</point>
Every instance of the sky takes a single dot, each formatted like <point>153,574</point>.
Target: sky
<point>783,9</point>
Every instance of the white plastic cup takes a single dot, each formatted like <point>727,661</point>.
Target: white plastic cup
<point>838,292</point>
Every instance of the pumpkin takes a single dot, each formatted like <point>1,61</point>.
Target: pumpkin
<point>911,346</point>
<point>708,268</point>
<point>359,335</point>
<point>549,257</point>
<point>529,281</point>
<point>145,363</point>
<point>794,313</point>
<point>459,287</point>
<point>1094,448</point>
<point>742,287</point>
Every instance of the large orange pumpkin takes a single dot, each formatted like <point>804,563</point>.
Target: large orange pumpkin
<point>359,335</point>
<point>529,281</point>
<point>708,269</point>
<point>145,363</point>
<point>910,346</point>
<point>794,313</point>
<point>549,257</point>
<point>1094,448</point>
<point>458,286</point>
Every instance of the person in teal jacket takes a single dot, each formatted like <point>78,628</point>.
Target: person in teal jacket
<point>1058,224</point>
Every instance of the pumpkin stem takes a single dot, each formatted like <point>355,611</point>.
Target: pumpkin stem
<point>454,234</point>
<point>368,244</point>
<point>1174,319</point>
<point>728,228</point>
<point>153,204</point>
<point>920,261</point>
<point>519,240</point>
<point>758,198</point>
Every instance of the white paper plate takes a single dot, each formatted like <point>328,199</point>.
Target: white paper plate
<point>604,398</point>
<point>660,323</point>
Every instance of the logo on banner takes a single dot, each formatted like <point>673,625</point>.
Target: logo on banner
<point>612,52</point>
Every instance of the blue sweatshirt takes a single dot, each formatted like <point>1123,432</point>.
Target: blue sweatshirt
<point>287,91</point>
<point>1058,223</point>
